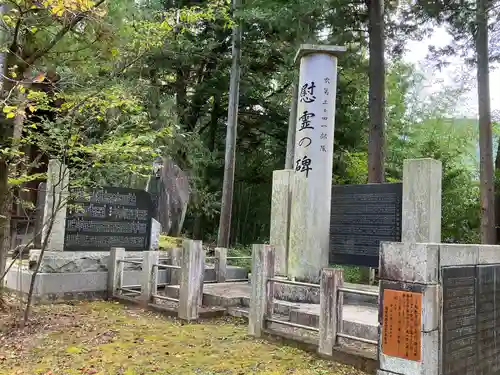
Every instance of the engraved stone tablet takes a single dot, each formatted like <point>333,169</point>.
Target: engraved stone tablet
<point>488,320</point>
<point>459,340</point>
<point>361,217</point>
<point>99,219</point>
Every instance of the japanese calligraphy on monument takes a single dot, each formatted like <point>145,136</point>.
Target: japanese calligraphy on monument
<point>314,138</point>
<point>401,326</point>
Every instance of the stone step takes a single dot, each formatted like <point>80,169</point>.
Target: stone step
<point>360,319</point>
<point>352,325</point>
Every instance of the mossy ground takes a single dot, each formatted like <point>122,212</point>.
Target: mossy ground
<point>109,338</point>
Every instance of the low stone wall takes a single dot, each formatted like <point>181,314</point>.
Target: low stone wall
<point>52,286</point>
<point>79,261</point>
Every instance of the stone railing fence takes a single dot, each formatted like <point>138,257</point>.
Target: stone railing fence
<point>331,301</point>
<point>220,262</point>
<point>189,264</point>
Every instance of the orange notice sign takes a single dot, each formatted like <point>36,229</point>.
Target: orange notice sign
<point>402,322</point>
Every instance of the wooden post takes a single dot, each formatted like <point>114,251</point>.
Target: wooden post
<point>193,267</point>
<point>148,285</point>
<point>261,299</point>
<point>330,315</point>
<point>220,264</point>
<point>115,274</point>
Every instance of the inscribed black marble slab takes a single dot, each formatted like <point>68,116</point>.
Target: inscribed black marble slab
<point>98,219</point>
<point>488,320</point>
<point>459,326</point>
<point>361,217</point>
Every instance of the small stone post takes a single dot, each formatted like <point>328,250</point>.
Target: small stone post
<point>421,201</point>
<point>220,264</point>
<point>148,280</point>
<point>154,241</point>
<point>330,314</point>
<point>40,209</point>
<point>262,294</point>
<point>55,205</point>
<point>410,309</point>
<point>115,274</point>
<point>310,220</point>
<point>193,267</point>
<point>280,217</point>
<point>175,275</point>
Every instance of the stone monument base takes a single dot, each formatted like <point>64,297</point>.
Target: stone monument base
<point>79,261</point>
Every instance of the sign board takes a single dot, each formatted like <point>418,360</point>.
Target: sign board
<point>361,217</point>
<point>401,325</point>
<point>98,219</point>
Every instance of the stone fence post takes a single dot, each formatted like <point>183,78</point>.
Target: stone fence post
<point>330,314</point>
<point>280,217</point>
<point>220,264</point>
<point>191,283</point>
<point>262,294</point>
<point>175,275</point>
<point>148,277</point>
<point>55,205</point>
<point>115,270</point>
<point>421,219</point>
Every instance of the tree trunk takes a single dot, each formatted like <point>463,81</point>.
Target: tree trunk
<point>376,105</point>
<point>232,125</point>
<point>7,127</point>
<point>488,233</point>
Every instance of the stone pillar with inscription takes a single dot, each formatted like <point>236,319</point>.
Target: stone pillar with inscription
<point>54,215</point>
<point>313,161</point>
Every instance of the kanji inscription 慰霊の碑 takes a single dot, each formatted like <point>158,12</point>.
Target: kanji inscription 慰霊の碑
<point>314,123</point>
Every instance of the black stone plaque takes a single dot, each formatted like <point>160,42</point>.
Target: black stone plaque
<point>488,320</point>
<point>361,217</point>
<point>459,321</point>
<point>101,218</point>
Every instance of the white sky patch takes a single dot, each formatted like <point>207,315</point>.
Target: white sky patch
<point>417,52</point>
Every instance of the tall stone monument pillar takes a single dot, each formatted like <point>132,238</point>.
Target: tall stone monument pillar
<point>313,159</point>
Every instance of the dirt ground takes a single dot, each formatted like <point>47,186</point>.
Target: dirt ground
<point>109,338</point>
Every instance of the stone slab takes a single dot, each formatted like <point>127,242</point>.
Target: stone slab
<point>422,180</point>
<point>458,255</point>
<point>64,284</point>
<point>429,365</point>
<point>409,262</point>
<point>154,241</point>
<point>280,217</point>
<point>359,320</point>
<point>488,254</point>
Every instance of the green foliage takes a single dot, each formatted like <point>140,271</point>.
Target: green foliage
<point>134,80</point>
